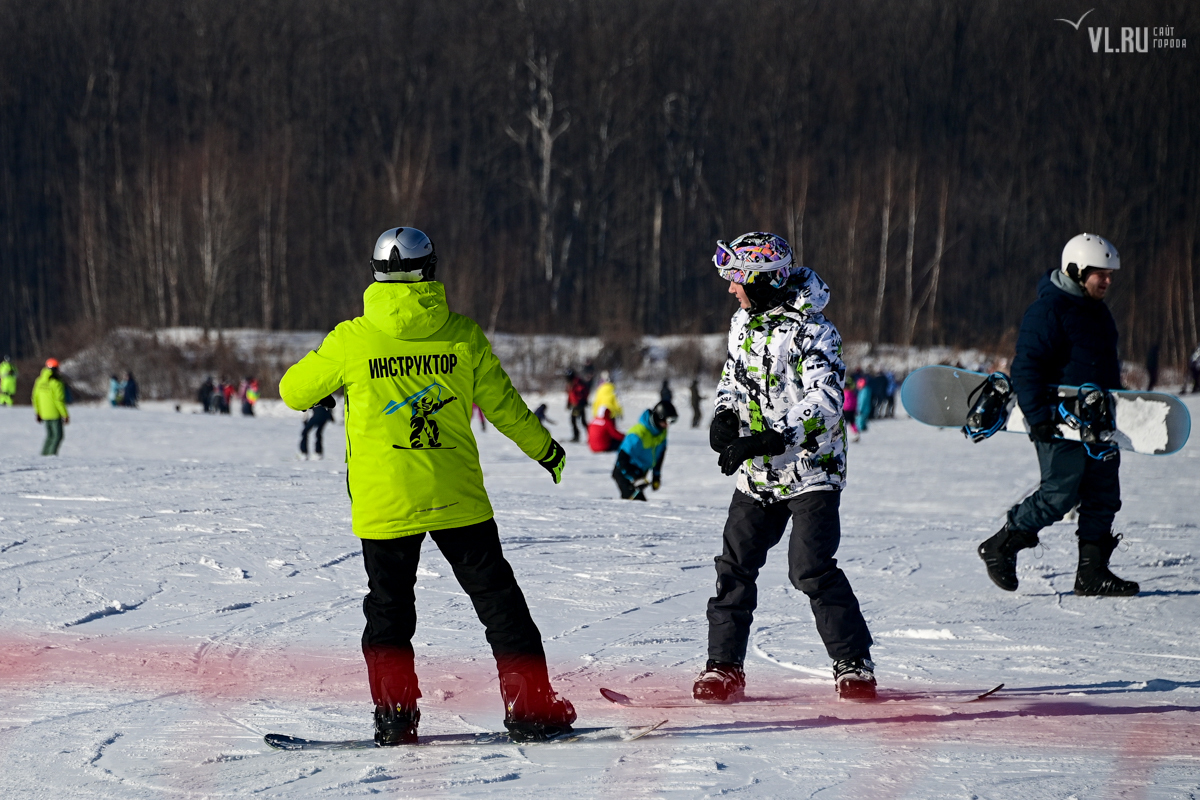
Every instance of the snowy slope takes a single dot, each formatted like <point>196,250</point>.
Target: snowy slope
<point>175,585</point>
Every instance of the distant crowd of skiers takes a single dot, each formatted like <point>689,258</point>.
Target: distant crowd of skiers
<point>868,397</point>
<point>218,397</point>
<point>123,391</point>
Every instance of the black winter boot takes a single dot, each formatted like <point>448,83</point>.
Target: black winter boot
<point>532,711</point>
<point>855,678</point>
<point>721,682</point>
<point>1093,578</point>
<point>999,554</point>
<point>396,725</point>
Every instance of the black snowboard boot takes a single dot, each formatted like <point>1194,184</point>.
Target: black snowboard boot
<point>396,725</point>
<point>854,678</point>
<point>1093,578</point>
<point>999,554</point>
<point>721,682</point>
<point>532,711</point>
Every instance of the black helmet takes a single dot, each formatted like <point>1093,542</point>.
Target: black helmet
<point>664,412</point>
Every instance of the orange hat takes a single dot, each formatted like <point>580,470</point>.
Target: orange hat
<point>51,362</point>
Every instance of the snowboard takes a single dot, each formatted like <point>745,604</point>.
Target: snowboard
<point>280,741</point>
<point>1146,422</point>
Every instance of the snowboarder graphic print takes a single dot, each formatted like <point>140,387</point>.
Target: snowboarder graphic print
<point>424,405</point>
<point>784,372</point>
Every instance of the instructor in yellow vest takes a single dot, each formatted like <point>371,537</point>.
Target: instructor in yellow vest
<point>8,381</point>
<point>50,406</point>
<point>411,370</point>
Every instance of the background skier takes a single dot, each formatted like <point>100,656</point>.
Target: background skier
<point>8,381</point>
<point>642,451</point>
<point>863,404</point>
<point>248,392</point>
<point>850,410</point>
<point>205,394</point>
<point>606,397</point>
<point>1068,337</point>
<point>695,397</point>
<point>603,436</point>
<point>50,406</point>
<point>577,398</point>
<point>129,391</point>
<point>315,420</point>
<point>406,332</point>
<point>778,424</point>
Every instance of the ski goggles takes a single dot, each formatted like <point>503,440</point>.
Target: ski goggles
<point>734,267</point>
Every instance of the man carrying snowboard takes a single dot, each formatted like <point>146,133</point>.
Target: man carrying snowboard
<point>406,345</point>
<point>778,424</point>
<point>1068,337</point>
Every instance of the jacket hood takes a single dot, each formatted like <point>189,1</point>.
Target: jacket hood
<point>647,419</point>
<point>1057,279</point>
<point>808,294</point>
<point>406,310</point>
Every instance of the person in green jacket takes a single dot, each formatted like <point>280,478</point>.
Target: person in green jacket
<point>50,406</point>
<point>8,381</point>
<point>411,370</point>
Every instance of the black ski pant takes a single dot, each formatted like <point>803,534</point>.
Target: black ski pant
<point>754,528</point>
<point>318,429</point>
<point>390,607</point>
<point>1069,477</point>
<point>628,489</point>
<point>577,422</point>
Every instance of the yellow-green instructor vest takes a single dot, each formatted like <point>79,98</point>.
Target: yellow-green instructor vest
<point>411,370</point>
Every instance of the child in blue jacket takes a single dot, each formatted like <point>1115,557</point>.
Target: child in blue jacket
<point>642,451</point>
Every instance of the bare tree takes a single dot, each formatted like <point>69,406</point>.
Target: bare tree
<point>219,221</point>
<point>544,130</point>
<point>885,229</point>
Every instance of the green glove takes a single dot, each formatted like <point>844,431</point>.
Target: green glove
<point>554,460</point>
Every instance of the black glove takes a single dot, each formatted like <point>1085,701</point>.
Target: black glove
<point>554,460</point>
<point>1043,431</point>
<point>767,443</point>
<point>723,430</point>
<point>328,402</point>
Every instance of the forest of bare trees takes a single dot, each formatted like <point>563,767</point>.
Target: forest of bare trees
<point>223,164</point>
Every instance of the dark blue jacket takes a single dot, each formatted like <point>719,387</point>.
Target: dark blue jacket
<point>1064,341</point>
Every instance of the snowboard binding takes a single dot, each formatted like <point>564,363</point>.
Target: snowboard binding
<point>1092,416</point>
<point>989,407</point>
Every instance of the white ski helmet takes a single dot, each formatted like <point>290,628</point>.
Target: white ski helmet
<point>403,255</point>
<point>1088,251</point>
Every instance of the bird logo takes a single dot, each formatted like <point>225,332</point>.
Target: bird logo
<point>1076,25</point>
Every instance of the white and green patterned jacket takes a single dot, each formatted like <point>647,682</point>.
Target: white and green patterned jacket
<point>785,372</point>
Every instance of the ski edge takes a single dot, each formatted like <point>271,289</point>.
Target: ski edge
<point>626,701</point>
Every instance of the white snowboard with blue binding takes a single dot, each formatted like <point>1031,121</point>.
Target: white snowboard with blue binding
<point>1151,423</point>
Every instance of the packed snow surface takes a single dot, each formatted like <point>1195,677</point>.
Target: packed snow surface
<point>176,585</point>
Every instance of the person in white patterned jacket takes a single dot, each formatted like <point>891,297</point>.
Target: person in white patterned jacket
<point>778,424</point>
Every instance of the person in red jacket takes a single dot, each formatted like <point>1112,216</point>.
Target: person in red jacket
<point>577,399</point>
<point>603,436</point>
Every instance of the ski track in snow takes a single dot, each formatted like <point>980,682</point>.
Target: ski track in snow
<point>174,586</point>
